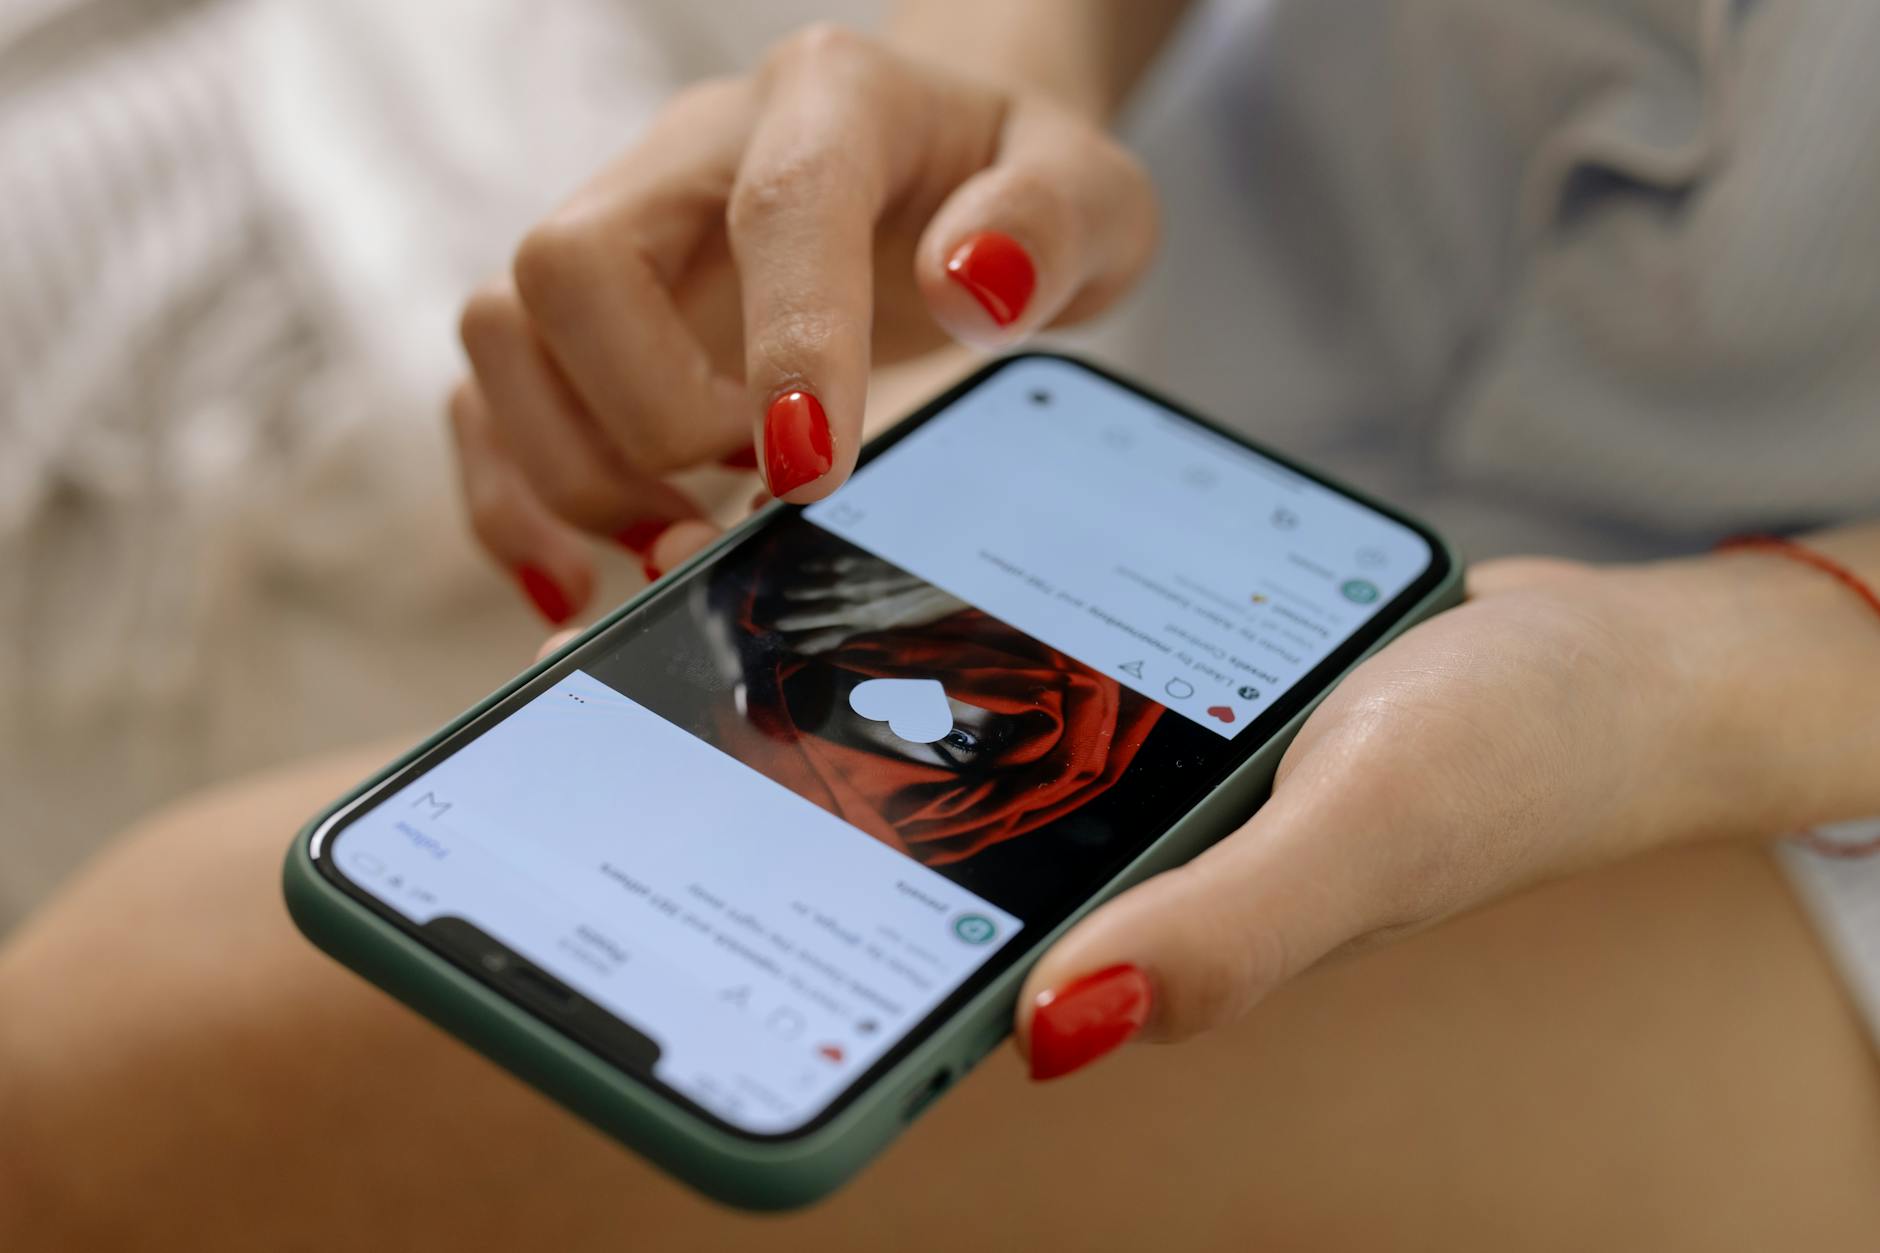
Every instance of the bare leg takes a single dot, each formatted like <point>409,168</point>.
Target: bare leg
<point>1655,1056</point>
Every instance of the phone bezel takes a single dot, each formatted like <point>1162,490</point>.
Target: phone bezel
<point>599,640</point>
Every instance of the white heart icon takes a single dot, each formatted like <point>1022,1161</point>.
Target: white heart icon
<point>916,710</point>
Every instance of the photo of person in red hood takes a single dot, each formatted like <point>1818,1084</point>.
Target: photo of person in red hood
<point>1035,735</point>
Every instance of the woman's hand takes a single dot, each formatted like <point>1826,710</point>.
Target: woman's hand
<point>729,279</point>
<point>849,595</point>
<point>1564,716</point>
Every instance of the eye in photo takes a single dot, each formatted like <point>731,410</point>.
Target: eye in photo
<point>924,722</point>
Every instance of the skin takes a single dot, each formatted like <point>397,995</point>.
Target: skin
<point>1652,1053</point>
<point>1544,728</point>
<point>787,230</point>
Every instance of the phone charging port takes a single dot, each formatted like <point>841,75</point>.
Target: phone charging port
<point>924,1095</point>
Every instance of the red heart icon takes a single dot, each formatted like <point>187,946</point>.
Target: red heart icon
<point>1223,712</point>
<point>831,1051</point>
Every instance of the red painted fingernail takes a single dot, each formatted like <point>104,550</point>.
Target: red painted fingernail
<point>1074,1025</point>
<point>651,571</point>
<point>797,447</point>
<point>548,598</point>
<point>744,458</point>
<point>639,537</point>
<point>998,272</point>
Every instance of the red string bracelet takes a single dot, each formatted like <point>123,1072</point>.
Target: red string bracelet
<point>1814,840</point>
<point>1808,557</point>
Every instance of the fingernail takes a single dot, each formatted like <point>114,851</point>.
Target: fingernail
<point>548,598</point>
<point>1074,1025</point>
<point>998,272</point>
<point>639,537</point>
<point>651,571</point>
<point>797,447</point>
<point>744,458</point>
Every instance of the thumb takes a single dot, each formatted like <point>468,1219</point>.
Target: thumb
<point>1196,946</point>
<point>1053,231</point>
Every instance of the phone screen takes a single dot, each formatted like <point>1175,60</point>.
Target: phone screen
<point>765,829</point>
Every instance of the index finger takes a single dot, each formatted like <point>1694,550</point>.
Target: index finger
<point>840,132</point>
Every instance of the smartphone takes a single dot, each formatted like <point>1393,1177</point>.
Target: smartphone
<point>751,872</point>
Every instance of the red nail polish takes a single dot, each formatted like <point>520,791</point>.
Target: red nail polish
<point>1074,1025</point>
<point>797,446</point>
<point>744,458</point>
<point>548,598</point>
<point>998,272</point>
<point>650,570</point>
<point>639,537</point>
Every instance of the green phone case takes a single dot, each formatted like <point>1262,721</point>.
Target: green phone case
<point>750,1173</point>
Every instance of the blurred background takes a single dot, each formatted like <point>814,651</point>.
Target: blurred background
<point>234,237</point>
<point>235,234</point>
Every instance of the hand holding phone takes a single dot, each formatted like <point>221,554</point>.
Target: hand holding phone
<point>755,868</point>
<point>1532,731</point>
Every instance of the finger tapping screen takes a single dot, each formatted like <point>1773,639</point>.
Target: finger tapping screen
<point>774,819</point>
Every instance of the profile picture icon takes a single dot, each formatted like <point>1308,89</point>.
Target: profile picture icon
<point>974,929</point>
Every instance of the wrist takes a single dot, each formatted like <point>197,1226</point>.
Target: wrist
<point>1771,671</point>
